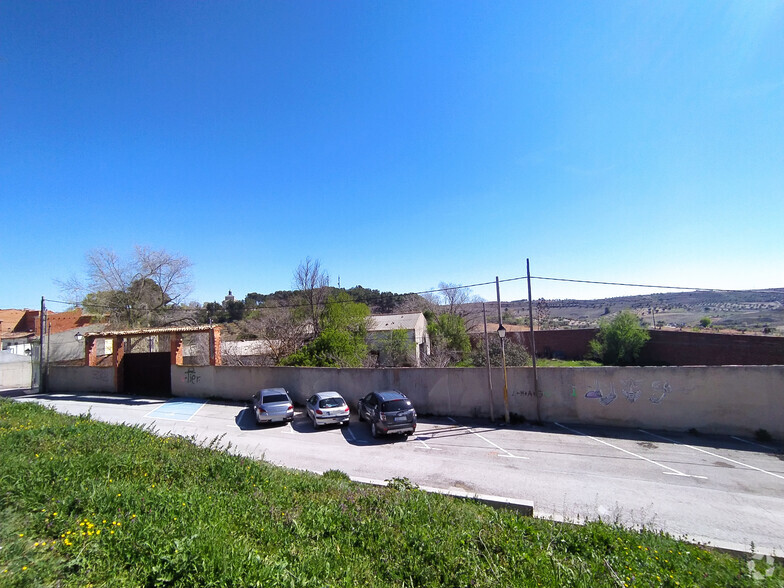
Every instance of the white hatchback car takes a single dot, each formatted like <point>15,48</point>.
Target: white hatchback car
<point>325,408</point>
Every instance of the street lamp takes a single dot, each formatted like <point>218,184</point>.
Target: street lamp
<point>78,336</point>
<point>502,336</point>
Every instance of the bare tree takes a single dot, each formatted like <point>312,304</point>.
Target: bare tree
<point>542,313</point>
<point>136,291</point>
<point>279,330</point>
<point>454,297</point>
<point>460,301</point>
<point>313,284</point>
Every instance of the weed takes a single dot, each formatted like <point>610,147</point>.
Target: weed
<point>336,475</point>
<point>762,436</point>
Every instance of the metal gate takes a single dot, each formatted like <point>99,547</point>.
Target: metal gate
<point>145,374</point>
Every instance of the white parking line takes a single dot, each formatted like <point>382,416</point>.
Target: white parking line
<point>486,440</point>
<point>753,443</point>
<point>713,454</point>
<point>505,454</point>
<point>422,441</point>
<point>671,471</point>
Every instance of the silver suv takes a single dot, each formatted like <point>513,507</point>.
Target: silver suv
<point>388,412</point>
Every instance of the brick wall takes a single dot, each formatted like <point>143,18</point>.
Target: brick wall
<point>667,347</point>
<point>58,321</point>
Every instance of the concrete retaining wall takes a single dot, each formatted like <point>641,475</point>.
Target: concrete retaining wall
<point>731,399</point>
<point>81,379</point>
<point>16,374</point>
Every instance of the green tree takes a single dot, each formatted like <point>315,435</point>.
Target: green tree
<point>341,342</point>
<point>395,348</point>
<point>620,340</point>
<point>705,321</point>
<point>449,339</point>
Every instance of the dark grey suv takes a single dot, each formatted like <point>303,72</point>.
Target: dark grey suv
<point>388,412</point>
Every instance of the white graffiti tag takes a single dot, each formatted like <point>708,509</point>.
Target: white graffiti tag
<point>662,389</point>
<point>631,390</point>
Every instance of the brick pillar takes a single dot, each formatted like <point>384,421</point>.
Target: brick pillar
<point>90,352</point>
<point>118,352</point>
<point>215,346</point>
<point>176,349</point>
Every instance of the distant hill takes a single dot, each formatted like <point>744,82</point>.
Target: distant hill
<point>745,310</point>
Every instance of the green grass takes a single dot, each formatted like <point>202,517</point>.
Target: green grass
<point>567,363</point>
<point>84,503</point>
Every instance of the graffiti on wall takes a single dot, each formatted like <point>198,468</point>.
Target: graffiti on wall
<point>604,398</point>
<point>631,390</point>
<point>526,393</point>
<point>191,377</point>
<point>661,389</point>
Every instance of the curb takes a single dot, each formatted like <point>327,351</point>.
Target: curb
<point>524,507</point>
<point>16,392</point>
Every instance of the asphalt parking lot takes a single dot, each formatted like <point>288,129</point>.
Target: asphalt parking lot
<point>722,490</point>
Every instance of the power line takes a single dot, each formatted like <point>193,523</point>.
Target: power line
<point>697,289</point>
<point>460,287</point>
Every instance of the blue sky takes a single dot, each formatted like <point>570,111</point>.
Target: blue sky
<point>401,143</point>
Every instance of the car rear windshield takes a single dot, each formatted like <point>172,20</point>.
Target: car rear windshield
<point>275,398</point>
<point>331,402</point>
<point>394,405</point>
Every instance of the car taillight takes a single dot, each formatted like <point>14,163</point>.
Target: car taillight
<point>259,409</point>
<point>318,411</point>
<point>290,407</point>
<point>345,409</point>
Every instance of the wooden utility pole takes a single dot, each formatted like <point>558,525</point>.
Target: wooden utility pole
<point>533,340</point>
<point>487,361</point>
<point>42,352</point>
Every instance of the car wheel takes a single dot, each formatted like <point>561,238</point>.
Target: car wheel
<point>345,423</point>
<point>373,430</point>
<point>313,420</point>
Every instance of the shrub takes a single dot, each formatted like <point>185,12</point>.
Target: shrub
<point>619,341</point>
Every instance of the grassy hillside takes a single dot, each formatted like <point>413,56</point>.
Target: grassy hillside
<point>751,311</point>
<point>84,503</point>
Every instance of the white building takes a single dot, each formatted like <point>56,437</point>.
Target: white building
<point>413,323</point>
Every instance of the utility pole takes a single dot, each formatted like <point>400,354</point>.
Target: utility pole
<point>43,359</point>
<point>502,334</point>
<point>533,340</point>
<point>487,362</point>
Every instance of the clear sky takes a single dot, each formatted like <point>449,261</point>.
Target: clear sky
<point>401,143</point>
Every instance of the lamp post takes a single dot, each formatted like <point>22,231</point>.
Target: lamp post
<point>502,334</point>
<point>79,338</point>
